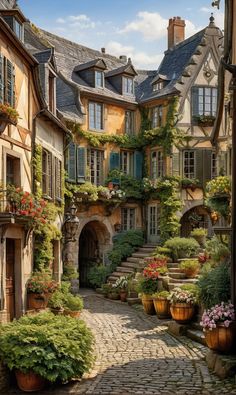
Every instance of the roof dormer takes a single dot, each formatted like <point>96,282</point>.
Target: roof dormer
<point>15,19</point>
<point>122,78</point>
<point>92,72</point>
<point>159,82</point>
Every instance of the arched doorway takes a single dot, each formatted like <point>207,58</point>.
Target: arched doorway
<point>94,242</point>
<point>197,217</point>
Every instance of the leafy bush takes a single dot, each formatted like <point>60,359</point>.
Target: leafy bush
<point>63,299</point>
<point>73,303</point>
<point>131,186</point>
<point>161,295</point>
<point>69,272</point>
<point>198,232</point>
<point>147,285</point>
<point>190,267</point>
<point>97,275</point>
<point>55,347</point>
<point>182,247</point>
<point>41,282</point>
<point>124,245</point>
<point>214,286</point>
<point>217,250</point>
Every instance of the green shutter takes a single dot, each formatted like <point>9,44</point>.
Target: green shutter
<point>138,165</point>
<point>114,160</point>
<point>81,164</point>
<point>1,79</point>
<point>176,164</point>
<point>71,162</point>
<point>199,165</point>
<point>207,166</point>
<point>195,109</point>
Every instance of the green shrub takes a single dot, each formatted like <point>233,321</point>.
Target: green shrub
<point>147,285</point>
<point>161,294</point>
<point>55,347</point>
<point>69,272</point>
<point>73,303</point>
<point>192,264</point>
<point>97,275</point>
<point>217,250</point>
<point>182,247</point>
<point>214,285</point>
<point>198,232</point>
<point>63,299</point>
<point>162,251</point>
<point>124,245</point>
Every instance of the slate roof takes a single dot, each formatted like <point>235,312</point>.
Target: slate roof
<point>7,4</point>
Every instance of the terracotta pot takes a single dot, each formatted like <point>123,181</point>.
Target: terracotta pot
<point>29,382</point>
<point>57,311</point>
<point>37,301</point>
<point>123,296</point>
<point>113,296</point>
<point>221,338</point>
<point>148,305</point>
<point>190,273</point>
<point>162,307</point>
<point>182,312</point>
<point>73,314</point>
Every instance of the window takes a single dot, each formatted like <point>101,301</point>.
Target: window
<point>18,29</point>
<point>157,86</point>
<point>204,101</point>
<point>189,164</point>
<point>7,81</point>
<point>47,173</point>
<point>127,162</point>
<point>58,176</point>
<point>99,79</point>
<point>15,25</point>
<point>95,160</point>
<point>128,86</point>
<point>129,122</point>
<point>127,218</point>
<point>157,164</point>
<point>213,165</point>
<point>95,116</point>
<point>154,218</point>
<point>12,170</point>
<point>157,116</point>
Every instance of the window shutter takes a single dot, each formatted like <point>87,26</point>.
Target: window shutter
<point>1,79</point>
<point>50,175</point>
<point>195,110</point>
<point>207,165</point>
<point>176,164</point>
<point>81,164</point>
<point>222,161</point>
<point>199,165</point>
<point>114,161</point>
<point>10,84</point>
<point>71,162</point>
<point>138,165</point>
<point>58,176</point>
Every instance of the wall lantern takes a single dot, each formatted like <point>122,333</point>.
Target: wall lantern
<point>71,225</point>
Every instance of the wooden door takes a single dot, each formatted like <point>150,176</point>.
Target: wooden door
<point>10,278</point>
<point>153,224</point>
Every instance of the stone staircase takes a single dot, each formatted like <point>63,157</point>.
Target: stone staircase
<point>176,277</point>
<point>133,264</point>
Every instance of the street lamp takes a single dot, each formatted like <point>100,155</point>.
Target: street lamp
<point>71,225</point>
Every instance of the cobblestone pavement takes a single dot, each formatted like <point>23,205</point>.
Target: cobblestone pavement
<point>136,355</point>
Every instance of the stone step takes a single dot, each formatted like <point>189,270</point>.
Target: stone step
<point>177,275</point>
<point>172,265</point>
<point>174,270</point>
<point>183,281</point>
<point>124,269</point>
<point>141,255</point>
<point>148,245</point>
<point>134,260</point>
<point>112,279</point>
<point>145,250</point>
<point>132,265</point>
<point>196,335</point>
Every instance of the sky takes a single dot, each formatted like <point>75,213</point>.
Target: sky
<point>136,28</point>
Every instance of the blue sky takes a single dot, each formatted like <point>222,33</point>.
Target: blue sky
<point>136,28</point>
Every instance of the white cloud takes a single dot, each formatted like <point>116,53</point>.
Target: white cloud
<point>140,59</point>
<point>81,21</point>
<point>60,20</point>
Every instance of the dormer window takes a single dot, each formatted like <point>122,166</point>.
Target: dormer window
<point>128,86</point>
<point>158,86</point>
<point>15,19</point>
<point>99,79</point>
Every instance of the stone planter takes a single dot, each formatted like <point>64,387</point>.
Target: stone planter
<point>148,305</point>
<point>162,307</point>
<point>221,339</point>
<point>37,301</point>
<point>29,382</point>
<point>182,312</point>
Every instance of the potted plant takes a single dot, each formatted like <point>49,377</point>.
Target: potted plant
<point>219,327</point>
<point>182,305</point>
<point>46,347</point>
<point>8,115</point>
<point>73,304</point>
<point>190,183</point>
<point>162,304</point>
<point>199,234</point>
<point>204,120</point>
<point>182,247</point>
<point>190,267</point>
<point>122,286</point>
<point>56,302</point>
<point>218,194</point>
<point>39,287</point>
<point>113,292</point>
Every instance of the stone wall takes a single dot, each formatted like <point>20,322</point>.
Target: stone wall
<point>4,378</point>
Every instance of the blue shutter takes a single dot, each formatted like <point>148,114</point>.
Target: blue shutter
<point>71,162</point>
<point>195,109</point>
<point>81,164</point>
<point>114,160</point>
<point>1,79</point>
<point>138,164</point>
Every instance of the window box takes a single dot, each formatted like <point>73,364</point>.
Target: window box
<point>188,183</point>
<point>8,116</point>
<point>204,120</point>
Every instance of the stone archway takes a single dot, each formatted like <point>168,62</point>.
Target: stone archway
<point>196,217</point>
<point>94,242</point>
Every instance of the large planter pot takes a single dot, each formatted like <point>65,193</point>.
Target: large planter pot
<point>182,312</point>
<point>123,296</point>
<point>221,338</point>
<point>73,314</point>
<point>29,382</point>
<point>190,273</point>
<point>37,301</point>
<point>148,305</point>
<point>162,307</point>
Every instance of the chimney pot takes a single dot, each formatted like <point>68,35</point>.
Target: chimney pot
<point>176,31</point>
<point>124,58</point>
<point>103,50</point>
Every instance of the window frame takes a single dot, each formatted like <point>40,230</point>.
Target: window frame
<point>127,162</point>
<point>128,221</point>
<point>213,106</point>
<point>101,73</point>
<point>157,165</point>
<point>157,116</point>
<point>129,122</point>
<point>95,126</point>
<point>126,86</point>
<point>157,86</point>
<point>94,176</point>
<point>186,174</point>
<point>47,174</point>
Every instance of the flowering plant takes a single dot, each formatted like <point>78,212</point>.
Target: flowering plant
<point>122,283</point>
<point>179,295</point>
<point>10,112</point>
<point>220,313</point>
<point>219,185</point>
<point>155,267</point>
<point>41,282</point>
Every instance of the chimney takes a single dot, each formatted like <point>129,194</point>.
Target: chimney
<point>176,31</point>
<point>103,50</point>
<point>123,58</point>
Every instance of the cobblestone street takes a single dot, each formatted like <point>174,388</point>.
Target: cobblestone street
<point>136,355</point>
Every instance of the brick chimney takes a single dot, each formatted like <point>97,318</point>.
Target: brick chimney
<point>176,31</point>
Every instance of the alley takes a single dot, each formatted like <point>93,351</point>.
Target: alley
<point>135,355</point>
